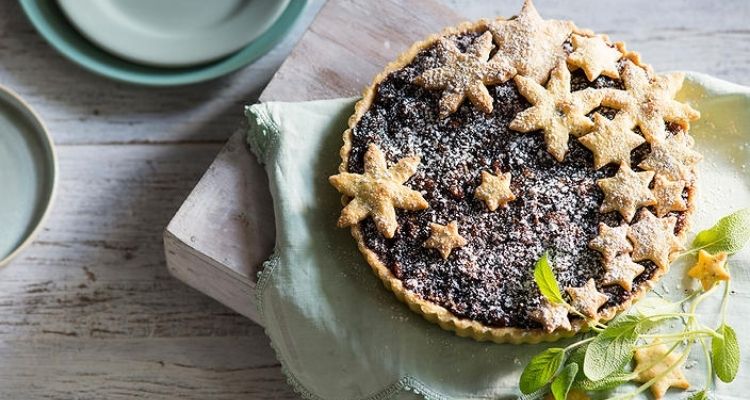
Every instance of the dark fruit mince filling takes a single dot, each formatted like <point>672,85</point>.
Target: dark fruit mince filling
<point>557,206</point>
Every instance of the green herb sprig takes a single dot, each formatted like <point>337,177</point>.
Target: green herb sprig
<point>602,360</point>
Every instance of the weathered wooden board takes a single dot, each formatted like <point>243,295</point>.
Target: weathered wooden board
<point>225,229</point>
<point>215,243</point>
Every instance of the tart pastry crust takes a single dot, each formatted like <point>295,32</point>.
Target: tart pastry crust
<point>532,48</point>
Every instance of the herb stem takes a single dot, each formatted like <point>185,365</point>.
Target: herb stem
<point>709,366</point>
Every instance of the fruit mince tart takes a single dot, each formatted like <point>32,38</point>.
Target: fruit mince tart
<point>487,145</point>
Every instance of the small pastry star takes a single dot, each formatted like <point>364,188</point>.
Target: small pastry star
<point>621,271</point>
<point>709,269</point>
<point>465,75</point>
<point>649,102</point>
<point>611,241</point>
<point>555,110</point>
<point>529,43</point>
<point>611,142</point>
<point>444,238</point>
<point>626,192</point>
<point>668,195</point>
<point>657,360</point>
<point>551,316</point>
<point>594,56</point>
<point>378,192</point>
<point>495,190</point>
<point>654,239</point>
<point>674,158</point>
<point>587,299</point>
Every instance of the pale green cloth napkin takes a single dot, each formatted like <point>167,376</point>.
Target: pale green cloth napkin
<point>340,335</point>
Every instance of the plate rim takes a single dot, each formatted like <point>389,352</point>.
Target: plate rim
<point>79,17</point>
<point>31,114</point>
<point>110,66</point>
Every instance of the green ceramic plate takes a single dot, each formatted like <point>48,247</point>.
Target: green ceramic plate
<point>52,24</point>
<point>28,173</point>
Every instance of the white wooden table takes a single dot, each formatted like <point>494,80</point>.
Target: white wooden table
<point>90,311</point>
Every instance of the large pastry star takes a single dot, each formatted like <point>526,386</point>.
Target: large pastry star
<point>551,316</point>
<point>529,43</point>
<point>495,190</point>
<point>465,75</point>
<point>674,157</point>
<point>668,195</point>
<point>621,271</point>
<point>587,299</point>
<point>611,142</point>
<point>709,269</point>
<point>654,239</point>
<point>647,103</point>
<point>555,110</point>
<point>626,192</point>
<point>444,238</point>
<point>594,56</point>
<point>611,241</point>
<point>378,192</point>
<point>656,361</point>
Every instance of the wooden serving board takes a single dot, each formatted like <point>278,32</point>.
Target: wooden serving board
<point>225,229</point>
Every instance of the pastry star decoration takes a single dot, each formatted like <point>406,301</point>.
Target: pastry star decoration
<point>611,141</point>
<point>621,271</point>
<point>709,269</point>
<point>611,241</point>
<point>555,110</point>
<point>668,195</point>
<point>551,316</point>
<point>587,299</point>
<point>673,158</point>
<point>495,190</point>
<point>444,238</point>
<point>465,75</point>
<point>654,239</point>
<point>378,192</point>
<point>647,103</point>
<point>595,56</point>
<point>626,192</point>
<point>657,359</point>
<point>531,44</point>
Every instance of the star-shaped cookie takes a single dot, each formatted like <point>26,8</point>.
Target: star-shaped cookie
<point>611,241</point>
<point>668,195</point>
<point>673,157</point>
<point>657,359</point>
<point>654,239</point>
<point>551,316</point>
<point>444,238</point>
<point>587,299</point>
<point>379,191</point>
<point>621,271</point>
<point>530,44</point>
<point>648,103</point>
<point>626,192</point>
<point>709,269</point>
<point>595,56</point>
<point>611,141</point>
<point>495,190</point>
<point>465,75</point>
<point>555,111</point>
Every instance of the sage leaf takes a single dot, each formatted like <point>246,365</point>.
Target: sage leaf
<point>612,349</point>
<point>610,382</point>
<point>545,279</point>
<point>702,395</point>
<point>725,353</point>
<point>540,370</point>
<point>562,383</point>
<point>728,235</point>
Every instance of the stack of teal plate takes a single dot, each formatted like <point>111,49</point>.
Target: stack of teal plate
<point>163,42</point>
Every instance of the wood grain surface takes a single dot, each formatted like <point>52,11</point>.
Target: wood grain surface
<point>90,310</point>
